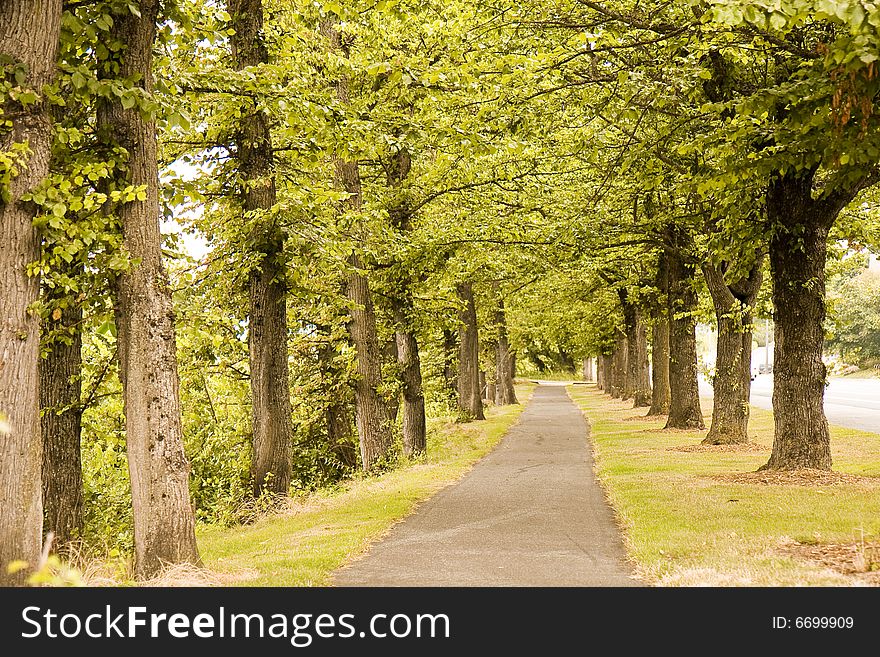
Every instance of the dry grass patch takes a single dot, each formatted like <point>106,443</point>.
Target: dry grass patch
<point>736,447</point>
<point>857,560</point>
<point>804,477</point>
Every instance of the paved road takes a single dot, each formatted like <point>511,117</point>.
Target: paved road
<point>529,514</point>
<point>851,403</point>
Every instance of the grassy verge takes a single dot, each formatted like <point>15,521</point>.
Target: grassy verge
<point>684,525</point>
<point>304,545</point>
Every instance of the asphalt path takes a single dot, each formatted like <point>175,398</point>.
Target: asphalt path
<point>530,513</point>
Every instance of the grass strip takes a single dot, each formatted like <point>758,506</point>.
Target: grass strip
<point>689,520</point>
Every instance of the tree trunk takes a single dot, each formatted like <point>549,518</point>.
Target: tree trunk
<point>339,432</point>
<point>470,401</point>
<point>614,360</point>
<point>270,381</point>
<point>371,411</point>
<point>684,403</point>
<point>338,414</point>
<point>504,360</point>
<point>414,423</point>
<point>164,525</point>
<point>660,394</point>
<point>389,356</point>
<point>61,422</point>
<point>490,356</point>
<point>637,360</point>
<point>600,372</point>
<point>608,370</point>
<point>567,362</point>
<point>588,369</point>
<point>638,385</point>
<point>29,34</point>
<point>798,250</point>
<point>733,365</point>
<point>450,371</point>
<point>619,366</point>
<point>267,319</point>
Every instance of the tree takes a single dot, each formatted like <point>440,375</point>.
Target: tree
<point>470,401</point>
<point>164,524</point>
<point>855,318</point>
<point>267,316</point>
<point>505,360</point>
<point>61,427</point>
<point>414,423</point>
<point>660,390</point>
<point>734,302</point>
<point>29,37</point>
<point>372,415</point>
<point>638,384</point>
<point>684,404</point>
<point>808,170</point>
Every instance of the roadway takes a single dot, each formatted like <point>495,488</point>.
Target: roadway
<point>853,403</point>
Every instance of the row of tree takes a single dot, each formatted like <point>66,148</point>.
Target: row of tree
<point>85,102</point>
<point>396,196</point>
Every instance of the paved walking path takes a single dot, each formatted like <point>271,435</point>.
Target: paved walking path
<point>529,514</point>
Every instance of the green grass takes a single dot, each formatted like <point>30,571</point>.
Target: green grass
<point>304,545</point>
<point>682,527</point>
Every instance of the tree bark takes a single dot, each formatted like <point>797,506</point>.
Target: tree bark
<point>600,372</point>
<point>614,360</point>
<point>389,357</point>
<point>450,370</point>
<point>638,385</point>
<point>733,365</point>
<point>339,432</point>
<point>684,403</point>
<point>29,34</point>
<point>414,423</point>
<point>371,412</point>
<point>608,372</point>
<point>409,362</point>
<point>798,249</point>
<point>338,414</point>
<point>267,317</point>
<point>470,400</point>
<point>619,366</point>
<point>164,524</point>
<point>504,360</point>
<point>660,393</point>
<point>61,423</point>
